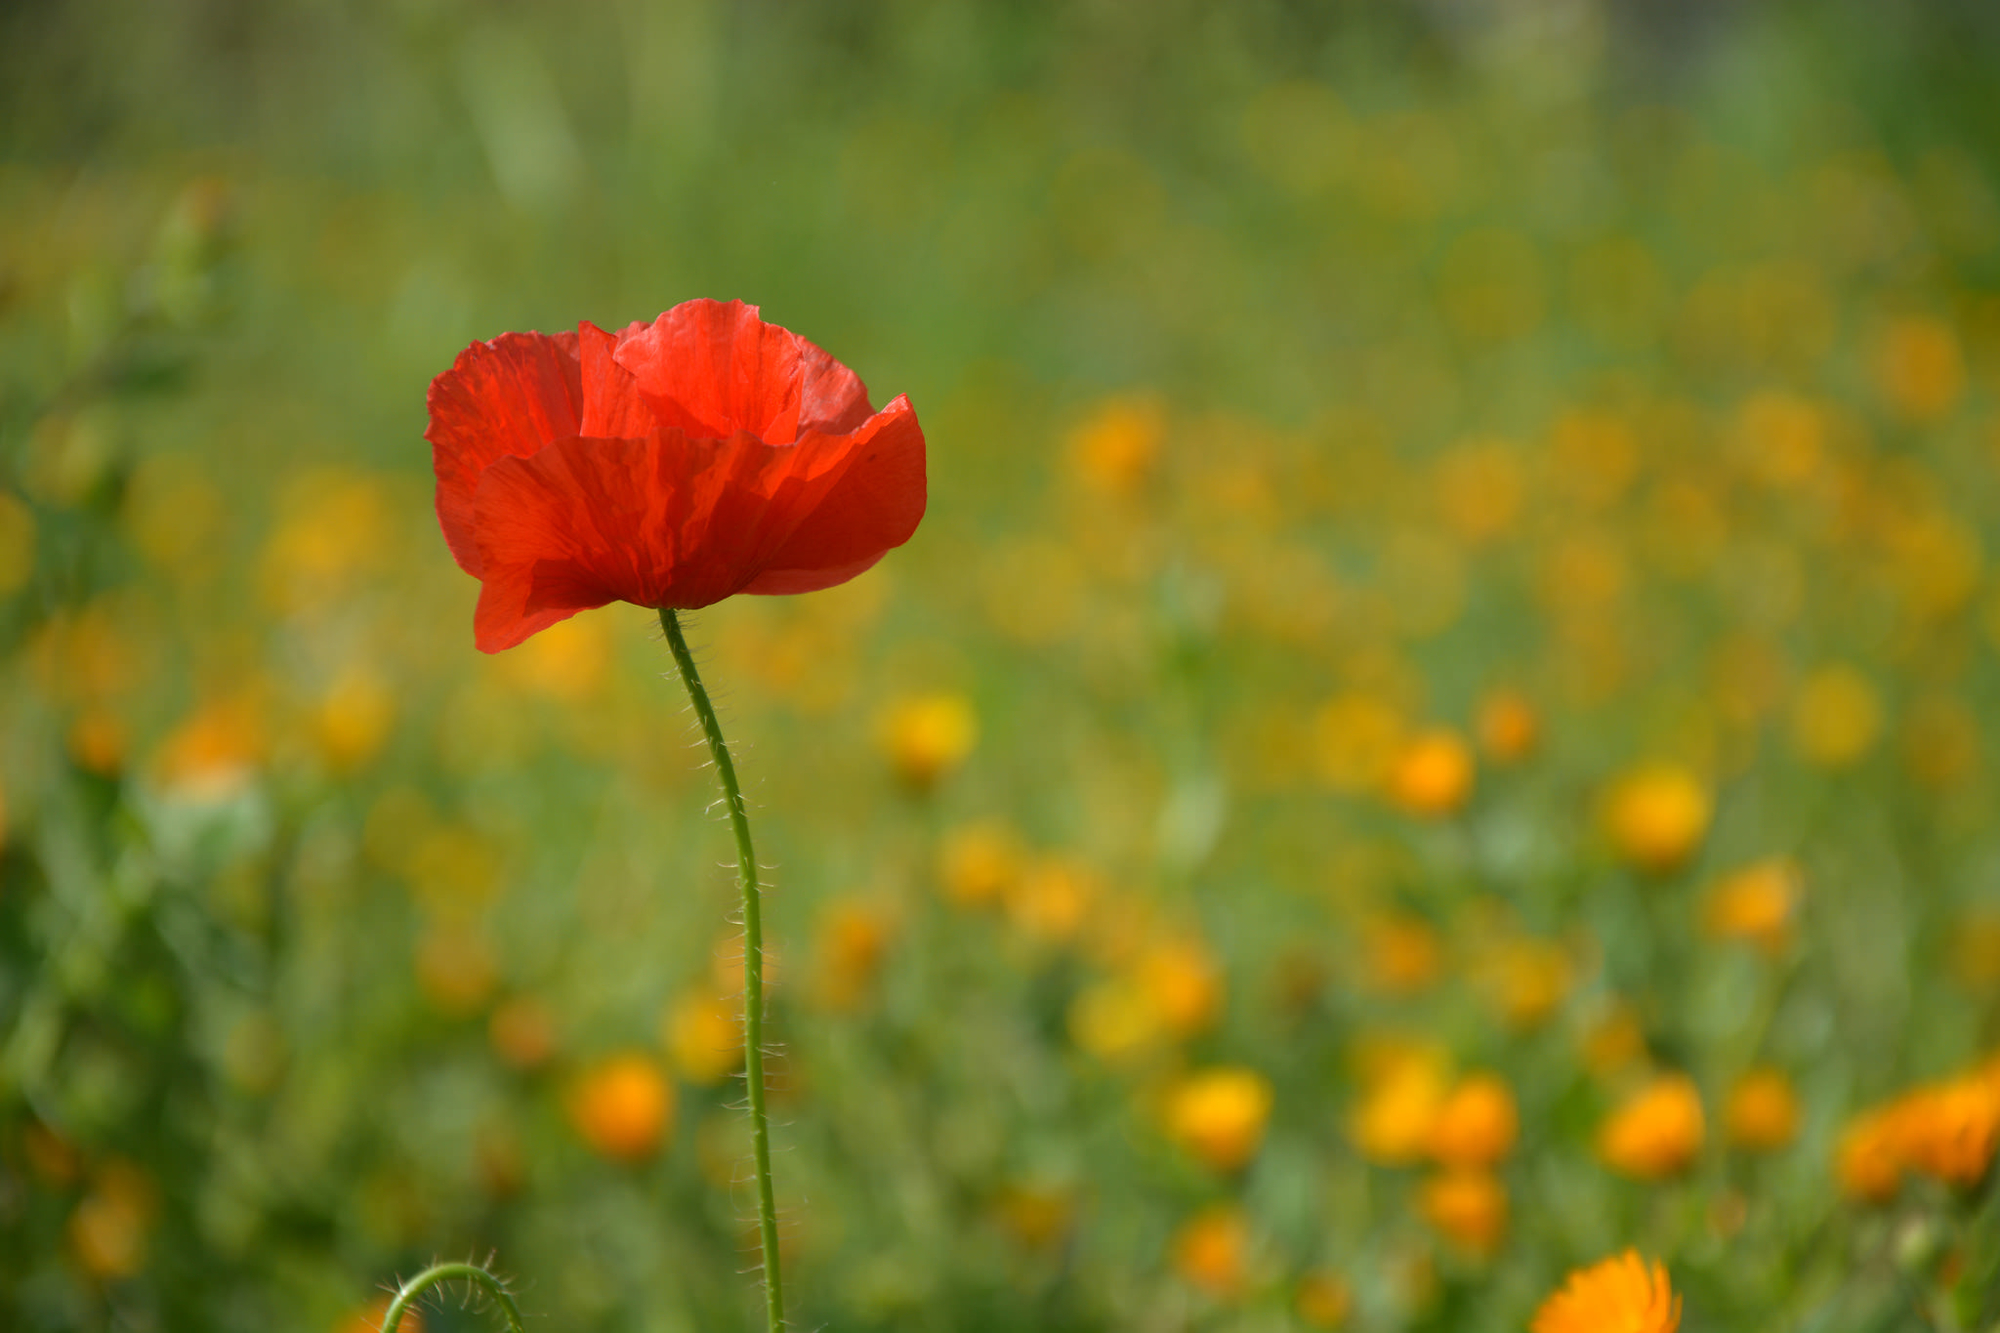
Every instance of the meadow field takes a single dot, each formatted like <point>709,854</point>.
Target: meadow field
<point>1442,723</point>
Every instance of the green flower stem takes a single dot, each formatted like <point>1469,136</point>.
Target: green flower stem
<point>753,969</point>
<point>441,1273</point>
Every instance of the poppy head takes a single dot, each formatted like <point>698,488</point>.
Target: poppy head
<point>671,465</point>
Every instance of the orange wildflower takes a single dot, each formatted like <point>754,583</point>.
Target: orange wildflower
<point>1868,1162</point>
<point>215,753</point>
<point>1114,449</point>
<point>1919,368</point>
<point>522,1032</point>
<point>1621,1293</point>
<point>1323,1299</point>
<point>1476,1125</point>
<point>1210,1251</point>
<point>1614,1041</point>
<point>623,1107</point>
<point>1763,1111</point>
<point>369,1319</point>
<point>1508,727</point>
<point>1656,1132</point>
<point>1049,902</point>
<point>1433,775</point>
<point>853,938</point>
<point>1402,953</point>
<point>1948,1130</point>
<point>1184,984</point>
<point>1755,904</point>
<point>1469,1206</point>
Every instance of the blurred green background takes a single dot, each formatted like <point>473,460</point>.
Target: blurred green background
<point>1456,559</point>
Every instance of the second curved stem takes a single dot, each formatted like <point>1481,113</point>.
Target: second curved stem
<point>753,969</point>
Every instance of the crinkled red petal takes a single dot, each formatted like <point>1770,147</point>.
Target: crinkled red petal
<point>505,398</point>
<point>613,407</point>
<point>874,504</point>
<point>670,521</point>
<point>713,368</point>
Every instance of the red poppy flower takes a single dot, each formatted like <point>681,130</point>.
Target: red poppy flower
<point>672,465</point>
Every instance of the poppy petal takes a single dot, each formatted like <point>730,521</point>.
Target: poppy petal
<point>507,397</point>
<point>870,501</point>
<point>613,408</point>
<point>712,368</point>
<point>585,522</point>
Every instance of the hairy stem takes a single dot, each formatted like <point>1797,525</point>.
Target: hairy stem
<point>441,1273</point>
<point>753,969</point>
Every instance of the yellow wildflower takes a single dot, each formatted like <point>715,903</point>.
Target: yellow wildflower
<point>1919,368</point>
<point>978,862</point>
<point>17,544</point>
<point>704,1034</point>
<point>108,1229</point>
<point>1657,816</point>
<point>1114,1019</point>
<point>1035,1216</point>
<point>1358,738</point>
<point>1219,1115</point>
<point>1781,436</point>
<point>1392,1123</point>
<point>455,968</point>
<point>1480,489</point>
<point>567,661</point>
<point>1527,979</point>
<point>1836,717</point>
<point>926,737</point>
